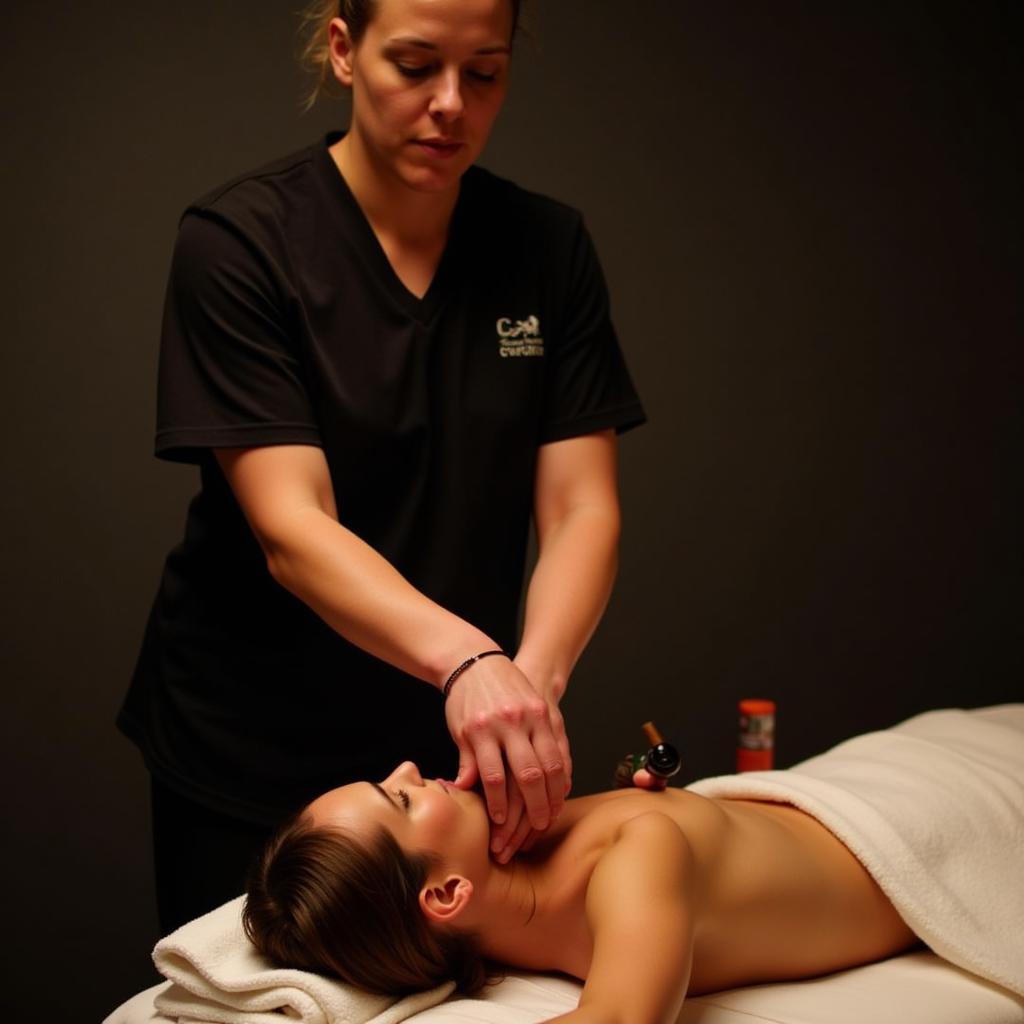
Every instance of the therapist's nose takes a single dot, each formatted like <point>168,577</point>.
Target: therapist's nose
<point>447,104</point>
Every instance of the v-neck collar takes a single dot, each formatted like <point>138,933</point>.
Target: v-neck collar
<point>355,222</point>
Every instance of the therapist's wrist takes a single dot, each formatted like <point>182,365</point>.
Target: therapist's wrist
<point>455,652</point>
<point>549,680</point>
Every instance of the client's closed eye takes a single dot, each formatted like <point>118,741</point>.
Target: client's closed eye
<point>403,796</point>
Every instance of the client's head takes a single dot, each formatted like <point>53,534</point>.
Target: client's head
<point>375,884</point>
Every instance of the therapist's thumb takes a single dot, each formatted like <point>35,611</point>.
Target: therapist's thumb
<point>467,774</point>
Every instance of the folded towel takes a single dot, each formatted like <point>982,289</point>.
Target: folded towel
<point>219,978</point>
<point>934,809</point>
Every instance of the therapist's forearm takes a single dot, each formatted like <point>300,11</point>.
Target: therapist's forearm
<point>357,592</point>
<point>568,592</point>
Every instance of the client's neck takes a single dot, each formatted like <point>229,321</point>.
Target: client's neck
<point>510,893</point>
<point>518,914</point>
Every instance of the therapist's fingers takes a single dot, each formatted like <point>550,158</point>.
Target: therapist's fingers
<point>501,834</point>
<point>518,840</point>
<point>552,761</point>
<point>530,771</point>
<point>552,694</point>
<point>562,739</point>
<point>467,773</point>
<point>491,772</point>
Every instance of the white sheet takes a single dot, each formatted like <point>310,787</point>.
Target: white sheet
<point>916,988</point>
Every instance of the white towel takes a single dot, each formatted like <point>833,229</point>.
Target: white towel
<point>219,978</point>
<point>934,809</point>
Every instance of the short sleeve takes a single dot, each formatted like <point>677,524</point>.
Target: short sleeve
<point>230,375</point>
<point>587,384</point>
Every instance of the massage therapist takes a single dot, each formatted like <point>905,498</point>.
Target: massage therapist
<point>384,362</point>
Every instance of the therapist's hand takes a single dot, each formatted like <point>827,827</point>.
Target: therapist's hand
<point>512,739</point>
<point>517,834</point>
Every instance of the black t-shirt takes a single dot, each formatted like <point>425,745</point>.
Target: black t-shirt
<point>285,324</point>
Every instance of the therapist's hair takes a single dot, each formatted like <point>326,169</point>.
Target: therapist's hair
<point>315,51</point>
<point>321,900</point>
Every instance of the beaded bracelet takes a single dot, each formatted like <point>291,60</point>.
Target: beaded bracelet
<point>466,664</point>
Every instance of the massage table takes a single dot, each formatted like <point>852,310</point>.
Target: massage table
<point>915,988</point>
<point>934,810</point>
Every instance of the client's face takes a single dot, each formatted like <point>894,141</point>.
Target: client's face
<point>424,815</point>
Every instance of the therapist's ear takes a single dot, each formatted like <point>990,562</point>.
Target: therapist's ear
<point>341,50</point>
<point>444,902</point>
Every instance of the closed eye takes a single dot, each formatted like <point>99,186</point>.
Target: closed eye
<point>400,794</point>
<point>417,71</point>
<point>414,70</point>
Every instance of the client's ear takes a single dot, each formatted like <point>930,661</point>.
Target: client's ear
<point>445,902</point>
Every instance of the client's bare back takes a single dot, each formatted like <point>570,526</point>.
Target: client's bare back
<point>775,894</point>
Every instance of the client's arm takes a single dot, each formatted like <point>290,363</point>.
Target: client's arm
<point>639,908</point>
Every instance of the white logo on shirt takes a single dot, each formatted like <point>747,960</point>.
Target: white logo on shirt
<point>521,338</point>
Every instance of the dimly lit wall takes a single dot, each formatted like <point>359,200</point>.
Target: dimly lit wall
<point>810,218</point>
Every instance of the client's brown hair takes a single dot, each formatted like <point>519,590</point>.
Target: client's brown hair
<point>321,900</point>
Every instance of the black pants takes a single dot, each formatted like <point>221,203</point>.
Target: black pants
<point>201,857</point>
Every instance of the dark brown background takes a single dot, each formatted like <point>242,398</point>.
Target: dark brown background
<point>810,219</point>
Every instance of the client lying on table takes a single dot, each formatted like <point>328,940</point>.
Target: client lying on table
<point>645,895</point>
<point>391,887</point>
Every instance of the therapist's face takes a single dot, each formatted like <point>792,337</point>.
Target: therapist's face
<point>428,78</point>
